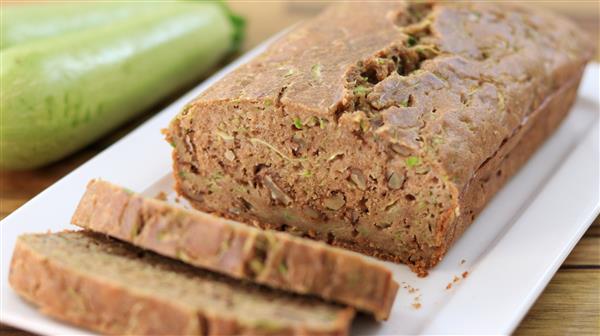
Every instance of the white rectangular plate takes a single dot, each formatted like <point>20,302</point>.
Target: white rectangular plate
<point>510,252</point>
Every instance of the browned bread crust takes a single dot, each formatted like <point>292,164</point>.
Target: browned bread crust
<point>275,259</point>
<point>381,127</point>
<point>104,285</point>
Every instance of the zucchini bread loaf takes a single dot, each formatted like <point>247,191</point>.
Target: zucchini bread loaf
<point>274,259</point>
<point>380,127</point>
<point>114,288</point>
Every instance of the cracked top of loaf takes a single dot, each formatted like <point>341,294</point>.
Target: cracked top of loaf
<point>452,81</point>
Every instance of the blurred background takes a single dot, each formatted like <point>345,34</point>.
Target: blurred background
<point>568,305</point>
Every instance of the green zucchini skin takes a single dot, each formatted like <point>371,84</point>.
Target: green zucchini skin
<point>30,22</point>
<point>60,94</point>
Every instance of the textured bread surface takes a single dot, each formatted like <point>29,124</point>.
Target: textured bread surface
<point>114,288</point>
<point>275,259</point>
<point>381,127</point>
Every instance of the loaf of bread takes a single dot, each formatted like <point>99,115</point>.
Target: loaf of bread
<point>114,288</point>
<point>384,128</point>
<point>275,259</point>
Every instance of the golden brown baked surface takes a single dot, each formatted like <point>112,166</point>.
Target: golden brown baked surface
<point>114,288</point>
<point>378,126</point>
<point>274,259</point>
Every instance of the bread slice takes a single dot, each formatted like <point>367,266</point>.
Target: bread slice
<point>275,259</point>
<point>383,127</point>
<point>102,284</point>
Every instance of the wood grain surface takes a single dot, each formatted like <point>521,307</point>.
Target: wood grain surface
<point>569,305</point>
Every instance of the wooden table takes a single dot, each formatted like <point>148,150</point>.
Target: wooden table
<point>569,305</point>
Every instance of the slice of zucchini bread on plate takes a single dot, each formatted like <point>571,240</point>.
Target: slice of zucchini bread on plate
<point>380,127</point>
<point>274,259</point>
<point>102,284</point>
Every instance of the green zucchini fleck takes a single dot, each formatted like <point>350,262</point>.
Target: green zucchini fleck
<point>361,90</point>
<point>316,71</point>
<point>411,41</point>
<point>412,161</point>
<point>282,268</point>
<point>298,123</point>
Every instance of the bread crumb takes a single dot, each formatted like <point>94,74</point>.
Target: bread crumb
<point>412,290</point>
<point>465,274</point>
<point>449,285</point>
<point>456,279</point>
<point>408,287</point>
<point>162,196</point>
<point>463,261</point>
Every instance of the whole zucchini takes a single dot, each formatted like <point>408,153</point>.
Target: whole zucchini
<point>61,93</point>
<point>25,23</point>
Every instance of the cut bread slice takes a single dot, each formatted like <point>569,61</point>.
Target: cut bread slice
<point>102,284</point>
<point>274,259</point>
